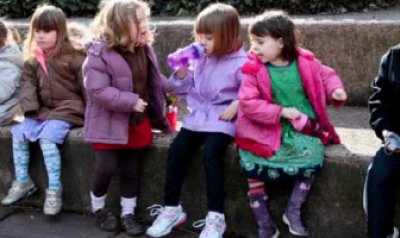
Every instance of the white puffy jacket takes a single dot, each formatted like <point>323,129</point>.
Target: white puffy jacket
<point>10,72</point>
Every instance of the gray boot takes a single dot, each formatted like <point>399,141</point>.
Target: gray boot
<point>266,226</point>
<point>292,216</point>
<point>18,191</point>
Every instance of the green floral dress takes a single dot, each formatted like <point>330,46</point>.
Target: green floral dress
<point>300,156</point>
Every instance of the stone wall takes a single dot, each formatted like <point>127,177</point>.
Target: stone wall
<point>353,48</point>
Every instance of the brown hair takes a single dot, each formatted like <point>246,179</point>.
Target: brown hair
<point>3,33</point>
<point>113,23</point>
<point>278,25</point>
<point>48,18</point>
<point>222,22</point>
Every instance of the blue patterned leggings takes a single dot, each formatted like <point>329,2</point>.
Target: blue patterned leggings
<point>52,159</point>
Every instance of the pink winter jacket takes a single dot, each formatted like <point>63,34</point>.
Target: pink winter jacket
<point>258,126</point>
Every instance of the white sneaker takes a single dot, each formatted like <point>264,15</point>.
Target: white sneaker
<point>215,225</point>
<point>53,202</point>
<point>168,218</point>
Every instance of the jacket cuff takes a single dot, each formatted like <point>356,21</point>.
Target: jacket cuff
<point>386,125</point>
<point>178,82</point>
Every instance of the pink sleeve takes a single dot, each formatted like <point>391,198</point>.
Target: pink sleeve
<point>331,82</point>
<point>254,106</point>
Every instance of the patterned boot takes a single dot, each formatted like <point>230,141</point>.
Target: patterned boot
<point>293,217</point>
<point>266,227</point>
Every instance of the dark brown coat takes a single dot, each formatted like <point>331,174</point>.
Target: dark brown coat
<point>58,95</point>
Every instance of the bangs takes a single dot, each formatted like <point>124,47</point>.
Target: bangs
<point>259,29</point>
<point>46,21</point>
<point>205,25</point>
<point>278,25</point>
<point>48,18</point>
<point>222,22</point>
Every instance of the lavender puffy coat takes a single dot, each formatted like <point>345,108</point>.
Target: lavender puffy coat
<point>110,100</point>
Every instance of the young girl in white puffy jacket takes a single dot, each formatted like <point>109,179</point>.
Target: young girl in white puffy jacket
<point>10,71</point>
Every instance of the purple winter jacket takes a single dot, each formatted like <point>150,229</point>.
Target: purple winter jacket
<point>209,89</point>
<point>110,100</point>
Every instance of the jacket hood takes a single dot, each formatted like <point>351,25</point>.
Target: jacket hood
<point>240,53</point>
<point>12,53</point>
<point>254,64</point>
<point>95,46</point>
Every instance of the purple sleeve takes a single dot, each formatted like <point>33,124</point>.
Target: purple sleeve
<point>181,87</point>
<point>99,89</point>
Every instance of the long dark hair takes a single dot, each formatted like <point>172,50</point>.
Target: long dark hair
<point>278,25</point>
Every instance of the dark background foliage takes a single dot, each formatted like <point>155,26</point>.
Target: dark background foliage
<point>87,8</point>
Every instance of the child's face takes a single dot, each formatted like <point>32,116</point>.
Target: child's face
<point>207,41</point>
<point>45,40</point>
<point>266,48</point>
<point>140,36</point>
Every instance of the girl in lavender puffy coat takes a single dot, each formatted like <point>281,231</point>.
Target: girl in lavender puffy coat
<point>211,90</point>
<point>125,100</point>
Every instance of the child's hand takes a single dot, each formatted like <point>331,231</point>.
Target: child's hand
<point>182,72</point>
<point>290,113</point>
<point>140,105</point>
<point>339,95</point>
<point>230,112</point>
<point>385,134</point>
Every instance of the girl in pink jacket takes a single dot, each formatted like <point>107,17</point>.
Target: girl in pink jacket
<point>282,120</point>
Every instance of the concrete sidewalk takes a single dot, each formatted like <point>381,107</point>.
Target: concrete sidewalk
<point>24,223</point>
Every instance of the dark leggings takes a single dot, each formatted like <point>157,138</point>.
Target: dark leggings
<point>107,162</point>
<point>182,149</point>
<point>382,183</point>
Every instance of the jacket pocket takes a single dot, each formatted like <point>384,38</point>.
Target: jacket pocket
<point>93,111</point>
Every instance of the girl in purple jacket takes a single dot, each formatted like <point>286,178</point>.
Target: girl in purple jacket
<point>211,90</point>
<point>125,100</point>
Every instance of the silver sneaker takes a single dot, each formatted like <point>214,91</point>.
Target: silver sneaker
<point>214,225</point>
<point>18,191</point>
<point>53,202</point>
<point>167,219</point>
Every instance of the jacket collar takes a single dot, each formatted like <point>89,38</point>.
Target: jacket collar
<point>254,65</point>
<point>240,53</point>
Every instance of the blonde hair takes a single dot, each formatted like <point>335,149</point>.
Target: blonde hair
<point>223,23</point>
<point>114,21</point>
<point>48,18</point>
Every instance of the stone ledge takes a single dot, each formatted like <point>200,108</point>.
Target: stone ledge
<point>333,210</point>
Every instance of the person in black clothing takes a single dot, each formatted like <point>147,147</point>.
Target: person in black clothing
<point>384,171</point>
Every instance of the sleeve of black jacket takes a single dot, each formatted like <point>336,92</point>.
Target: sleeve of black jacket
<point>383,99</point>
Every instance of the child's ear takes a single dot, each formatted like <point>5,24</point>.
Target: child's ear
<point>280,40</point>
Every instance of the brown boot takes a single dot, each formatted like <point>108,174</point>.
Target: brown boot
<point>131,226</point>
<point>106,220</point>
